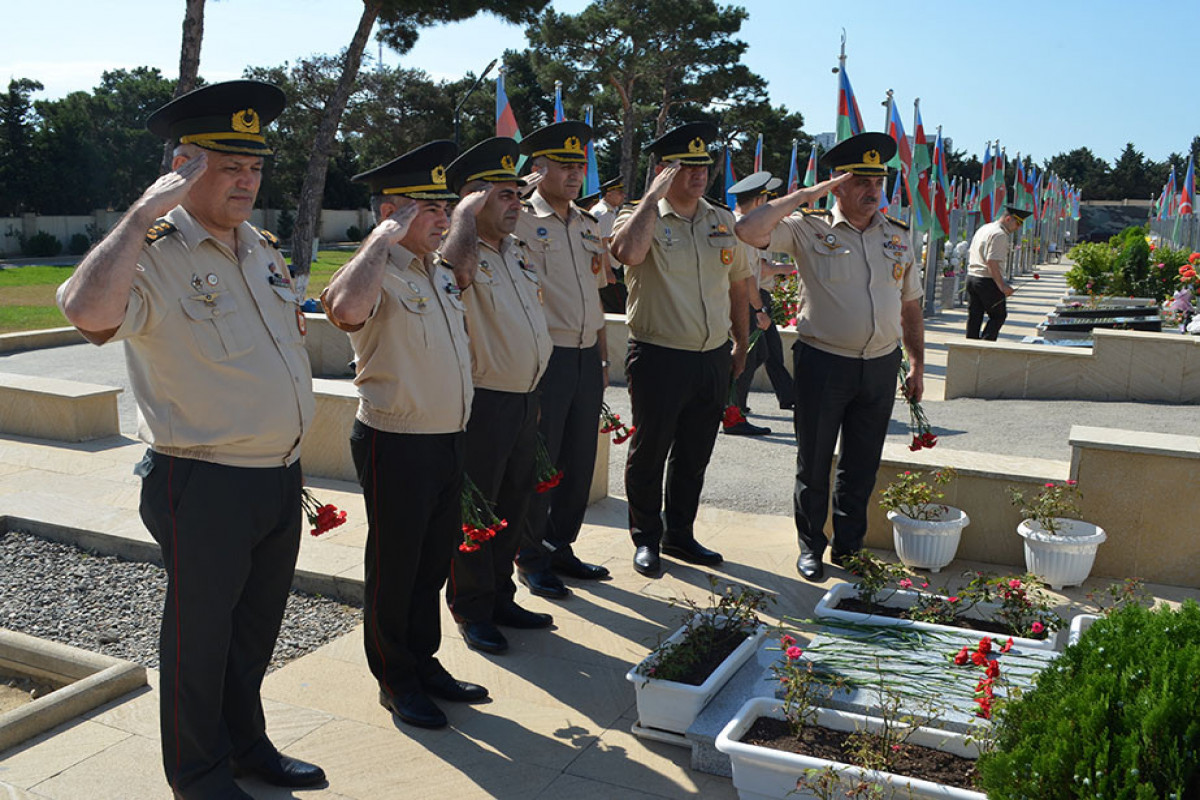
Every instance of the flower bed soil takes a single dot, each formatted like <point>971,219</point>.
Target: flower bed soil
<point>910,761</point>
<point>984,625</point>
<point>715,651</point>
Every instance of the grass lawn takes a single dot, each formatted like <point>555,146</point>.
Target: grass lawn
<point>27,293</point>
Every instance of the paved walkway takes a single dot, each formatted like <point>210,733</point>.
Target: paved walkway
<point>558,722</point>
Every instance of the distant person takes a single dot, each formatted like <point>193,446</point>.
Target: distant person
<point>860,290</point>
<point>987,289</point>
<point>614,295</point>
<point>214,342</point>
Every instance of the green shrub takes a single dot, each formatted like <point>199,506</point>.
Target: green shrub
<point>40,245</point>
<point>1113,717</point>
<point>1134,267</point>
<point>286,224</point>
<point>79,244</point>
<point>1094,263</point>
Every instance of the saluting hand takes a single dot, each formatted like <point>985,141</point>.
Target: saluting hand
<point>662,182</point>
<point>531,182</point>
<point>824,187</point>
<point>172,188</point>
<point>395,226</point>
<point>474,201</point>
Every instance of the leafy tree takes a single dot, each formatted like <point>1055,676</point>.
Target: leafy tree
<point>401,21</point>
<point>1130,175</point>
<point>646,62</point>
<point>17,167</point>
<point>1084,170</point>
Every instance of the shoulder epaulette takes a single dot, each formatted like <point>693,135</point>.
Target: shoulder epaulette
<point>160,230</point>
<point>528,206</point>
<point>271,238</point>
<point>587,214</point>
<point>633,203</point>
<point>718,204</point>
<point>819,211</point>
<point>897,222</point>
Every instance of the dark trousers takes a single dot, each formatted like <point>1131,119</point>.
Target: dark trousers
<point>569,395</point>
<point>411,484</point>
<point>985,298</point>
<point>852,396</point>
<point>229,538</point>
<point>501,449</point>
<point>677,399</point>
<point>767,350</point>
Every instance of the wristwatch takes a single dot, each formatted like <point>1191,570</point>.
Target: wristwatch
<point>604,364</point>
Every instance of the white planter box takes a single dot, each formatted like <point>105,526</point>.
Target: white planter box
<point>673,707</point>
<point>928,544</point>
<point>1065,558</point>
<point>1079,625</point>
<point>902,598</point>
<point>760,773</point>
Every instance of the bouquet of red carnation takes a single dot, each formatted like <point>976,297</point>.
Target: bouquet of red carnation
<point>611,423</point>
<point>918,423</point>
<point>323,517</point>
<point>479,520</point>
<point>547,475</point>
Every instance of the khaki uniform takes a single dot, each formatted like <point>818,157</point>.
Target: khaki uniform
<point>679,296</point>
<point>414,362</point>
<point>852,283</point>
<point>569,258</point>
<point>605,217</point>
<point>205,329</point>
<point>510,344</point>
<point>990,243</point>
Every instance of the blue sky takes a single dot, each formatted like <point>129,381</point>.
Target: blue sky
<point>1043,77</point>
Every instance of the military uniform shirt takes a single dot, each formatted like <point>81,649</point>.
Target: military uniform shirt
<point>605,216</point>
<point>214,344</point>
<point>990,243</point>
<point>754,257</point>
<point>679,296</point>
<point>569,258</point>
<point>852,283</point>
<point>413,360</point>
<point>510,345</point>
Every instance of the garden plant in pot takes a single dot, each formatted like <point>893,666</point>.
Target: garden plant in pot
<point>925,532</point>
<point>1059,548</point>
<point>677,679</point>
<point>793,747</point>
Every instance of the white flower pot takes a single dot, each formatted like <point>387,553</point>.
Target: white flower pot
<point>826,608</point>
<point>1079,626</point>
<point>760,773</point>
<point>928,544</point>
<point>673,707</point>
<point>1064,558</point>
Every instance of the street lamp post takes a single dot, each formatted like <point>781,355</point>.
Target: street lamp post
<point>474,86</point>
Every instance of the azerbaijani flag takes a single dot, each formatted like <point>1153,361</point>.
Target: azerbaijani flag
<point>758,155</point>
<point>591,181</point>
<point>810,172</point>
<point>920,167</point>
<point>895,129</point>
<point>849,118</point>
<point>896,200</point>
<point>1001,187</point>
<point>506,121</point>
<point>559,114</point>
<point>987,185</point>
<point>793,171</point>
<point>1187,190</point>
<point>730,179</point>
<point>941,188</point>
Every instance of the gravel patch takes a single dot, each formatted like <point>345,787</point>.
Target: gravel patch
<point>108,605</point>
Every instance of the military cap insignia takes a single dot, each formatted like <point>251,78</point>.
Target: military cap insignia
<point>159,230</point>
<point>506,162</point>
<point>245,121</point>
<point>573,144</point>
<point>696,146</point>
<point>438,174</point>
<point>871,158</point>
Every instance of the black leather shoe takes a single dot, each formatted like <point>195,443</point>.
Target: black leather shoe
<point>787,405</point>
<point>839,558</point>
<point>415,708</point>
<point>809,565</point>
<point>483,636</point>
<point>646,561</point>
<point>692,552</point>
<point>513,616</point>
<point>746,429</point>
<point>544,584</point>
<point>443,685</point>
<point>572,567</point>
<point>281,770</point>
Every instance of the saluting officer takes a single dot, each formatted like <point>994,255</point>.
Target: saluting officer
<point>211,321</point>
<point>510,347</point>
<point>402,308</point>
<point>687,293</point>
<point>860,294</point>
<point>566,251</point>
<point>612,197</point>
